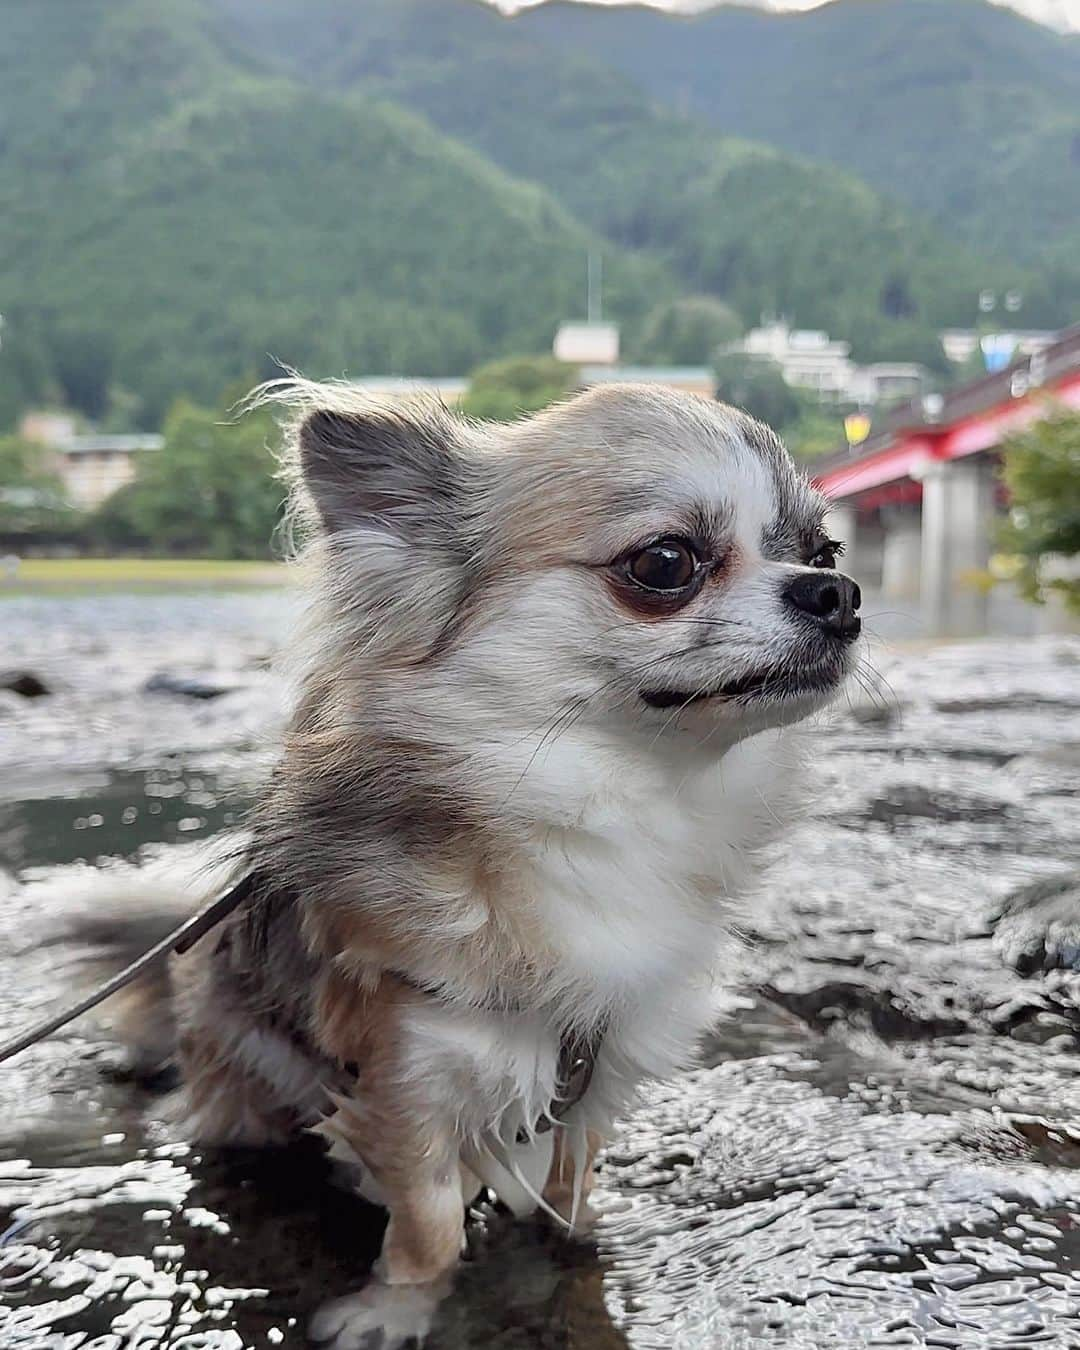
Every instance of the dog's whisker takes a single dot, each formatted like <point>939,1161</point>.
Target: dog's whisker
<point>559,726</point>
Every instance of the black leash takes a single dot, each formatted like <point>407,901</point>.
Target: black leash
<point>179,941</point>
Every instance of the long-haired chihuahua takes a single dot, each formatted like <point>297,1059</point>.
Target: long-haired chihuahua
<point>545,720</point>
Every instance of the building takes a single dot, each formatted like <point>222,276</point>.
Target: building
<point>90,467</point>
<point>886,383</point>
<point>809,359</point>
<point>590,343</point>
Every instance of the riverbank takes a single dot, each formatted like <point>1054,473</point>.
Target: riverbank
<point>76,576</point>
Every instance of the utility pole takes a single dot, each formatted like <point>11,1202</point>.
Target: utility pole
<point>594,287</point>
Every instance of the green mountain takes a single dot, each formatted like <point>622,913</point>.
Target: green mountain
<point>759,227</point>
<point>960,108</point>
<point>193,189</point>
<point>175,219</point>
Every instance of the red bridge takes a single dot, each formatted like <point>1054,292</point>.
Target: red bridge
<point>917,502</point>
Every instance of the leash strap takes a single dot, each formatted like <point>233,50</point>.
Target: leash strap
<point>179,941</point>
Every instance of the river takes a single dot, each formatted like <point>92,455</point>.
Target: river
<point>882,1147</point>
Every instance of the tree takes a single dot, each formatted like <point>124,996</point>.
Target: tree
<point>1042,473</point>
<point>817,432</point>
<point>32,498</point>
<point>687,332</point>
<point>503,390</point>
<point>757,385</point>
<point>210,490</point>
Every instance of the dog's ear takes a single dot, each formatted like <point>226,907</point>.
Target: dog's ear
<point>388,470</point>
<point>391,489</point>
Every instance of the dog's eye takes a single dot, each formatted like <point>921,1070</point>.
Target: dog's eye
<point>827,554</point>
<point>666,565</point>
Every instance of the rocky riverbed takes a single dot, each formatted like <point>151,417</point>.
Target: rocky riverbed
<point>883,1151</point>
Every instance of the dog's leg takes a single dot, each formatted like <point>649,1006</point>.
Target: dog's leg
<point>420,1184</point>
<point>564,1185</point>
<point>401,1128</point>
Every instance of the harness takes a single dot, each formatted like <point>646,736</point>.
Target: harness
<point>578,1049</point>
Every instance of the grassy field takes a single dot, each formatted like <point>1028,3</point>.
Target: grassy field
<point>67,576</point>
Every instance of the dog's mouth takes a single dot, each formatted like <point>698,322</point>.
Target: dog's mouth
<point>766,684</point>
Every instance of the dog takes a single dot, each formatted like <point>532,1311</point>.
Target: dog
<point>546,714</point>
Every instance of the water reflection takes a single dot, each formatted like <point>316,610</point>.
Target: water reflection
<point>83,816</point>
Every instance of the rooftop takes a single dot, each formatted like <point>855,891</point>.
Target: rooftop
<point>102,443</point>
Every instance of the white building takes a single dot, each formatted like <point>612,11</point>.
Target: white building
<point>92,467</point>
<point>810,359</point>
<point>587,344</point>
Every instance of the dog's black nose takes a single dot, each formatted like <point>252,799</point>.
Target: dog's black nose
<point>830,599</point>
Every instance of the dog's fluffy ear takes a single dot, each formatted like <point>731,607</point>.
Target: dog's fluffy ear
<point>391,489</point>
<point>389,470</point>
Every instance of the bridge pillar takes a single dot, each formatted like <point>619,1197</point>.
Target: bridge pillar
<point>901,555</point>
<point>957,538</point>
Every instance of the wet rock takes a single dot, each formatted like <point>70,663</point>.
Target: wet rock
<point>1054,1142</point>
<point>24,683</point>
<point>910,800</point>
<point>852,1002</point>
<point>1037,930</point>
<point>186,686</point>
<point>1006,702</point>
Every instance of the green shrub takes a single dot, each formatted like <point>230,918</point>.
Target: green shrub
<point>503,390</point>
<point>1041,470</point>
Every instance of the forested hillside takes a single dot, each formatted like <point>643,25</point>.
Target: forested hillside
<point>751,224</point>
<point>961,108</point>
<point>192,190</point>
<point>176,219</point>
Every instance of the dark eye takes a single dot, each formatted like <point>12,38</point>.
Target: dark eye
<point>667,565</point>
<point>827,554</point>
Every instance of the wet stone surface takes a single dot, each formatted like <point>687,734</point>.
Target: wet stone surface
<point>884,1151</point>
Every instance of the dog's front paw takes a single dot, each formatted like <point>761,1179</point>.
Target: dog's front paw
<point>380,1317</point>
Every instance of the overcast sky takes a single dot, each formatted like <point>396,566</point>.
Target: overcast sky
<point>1058,13</point>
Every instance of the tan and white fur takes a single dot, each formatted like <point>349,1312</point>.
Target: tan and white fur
<point>522,791</point>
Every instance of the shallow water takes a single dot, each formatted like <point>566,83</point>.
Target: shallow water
<point>885,1149</point>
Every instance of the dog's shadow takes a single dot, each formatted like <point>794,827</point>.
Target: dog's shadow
<point>293,1237</point>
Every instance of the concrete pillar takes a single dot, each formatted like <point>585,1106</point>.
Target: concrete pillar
<point>957,538</point>
<point>901,556</point>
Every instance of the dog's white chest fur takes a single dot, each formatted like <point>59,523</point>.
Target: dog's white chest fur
<point>636,876</point>
<point>633,881</point>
